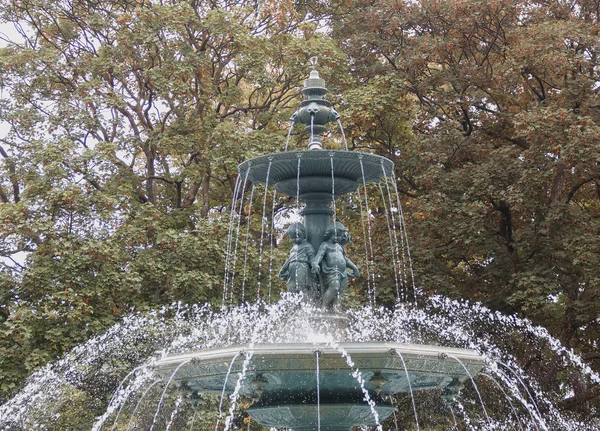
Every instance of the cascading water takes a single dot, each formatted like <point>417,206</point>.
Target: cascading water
<point>317,353</point>
<point>236,392</point>
<point>474,386</point>
<point>230,237</point>
<point>271,238</point>
<point>162,396</point>
<point>133,414</point>
<point>224,388</point>
<point>339,122</point>
<point>412,396</point>
<point>237,235</point>
<point>356,373</point>
<point>372,364</point>
<point>188,329</point>
<point>369,235</point>
<point>247,242</point>
<point>262,230</point>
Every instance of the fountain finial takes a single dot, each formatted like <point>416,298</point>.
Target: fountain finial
<point>315,112</point>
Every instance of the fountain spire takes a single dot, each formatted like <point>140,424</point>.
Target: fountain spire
<point>315,112</point>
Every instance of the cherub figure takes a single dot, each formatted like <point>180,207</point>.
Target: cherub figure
<point>332,263</point>
<point>297,269</point>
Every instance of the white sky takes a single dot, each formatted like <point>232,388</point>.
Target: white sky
<point>7,30</point>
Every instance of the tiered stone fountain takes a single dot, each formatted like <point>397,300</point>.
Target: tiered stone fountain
<point>330,384</point>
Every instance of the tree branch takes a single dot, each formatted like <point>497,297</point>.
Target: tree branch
<point>166,180</point>
<point>92,181</point>
<point>581,183</point>
<point>3,196</point>
<point>13,179</point>
<point>572,402</point>
<point>591,356</point>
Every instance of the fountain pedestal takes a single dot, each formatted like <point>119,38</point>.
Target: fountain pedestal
<point>316,215</point>
<point>318,178</point>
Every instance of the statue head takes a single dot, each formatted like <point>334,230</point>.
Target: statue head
<point>338,232</point>
<point>296,232</point>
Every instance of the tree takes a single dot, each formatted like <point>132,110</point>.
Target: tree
<point>501,172</point>
<point>127,122</point>
<point>128,119</point>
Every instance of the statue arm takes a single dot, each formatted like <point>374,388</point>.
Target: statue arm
<point>284,269</point>
<point>319,257</point>
<point>353,267</point>
<point>311,256</point>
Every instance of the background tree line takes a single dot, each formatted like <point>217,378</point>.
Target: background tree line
<point>127,119</point>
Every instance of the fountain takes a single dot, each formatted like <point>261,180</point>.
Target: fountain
<point>304,363</point>
<point>354,379</point>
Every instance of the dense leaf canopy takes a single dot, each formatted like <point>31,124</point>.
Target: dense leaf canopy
<point>124,123</point>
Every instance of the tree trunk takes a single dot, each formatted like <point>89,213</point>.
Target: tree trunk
<point>150,173</point>
<point>559,183</point>
<point>206,195</point>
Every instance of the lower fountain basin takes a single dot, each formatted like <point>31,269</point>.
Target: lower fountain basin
<point>282,378</point>
<point>334,417</point>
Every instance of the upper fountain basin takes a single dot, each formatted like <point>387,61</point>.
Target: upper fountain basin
<point>321,171</point>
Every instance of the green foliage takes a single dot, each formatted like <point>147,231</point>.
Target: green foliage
<point>500,171</point>
<point>127,120</point>
<point>73,411</point>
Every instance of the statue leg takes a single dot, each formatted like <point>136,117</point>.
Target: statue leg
<point>292,284</point>
<point>310,289</point>
<point>332,295</point>
<point>337,301</point>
